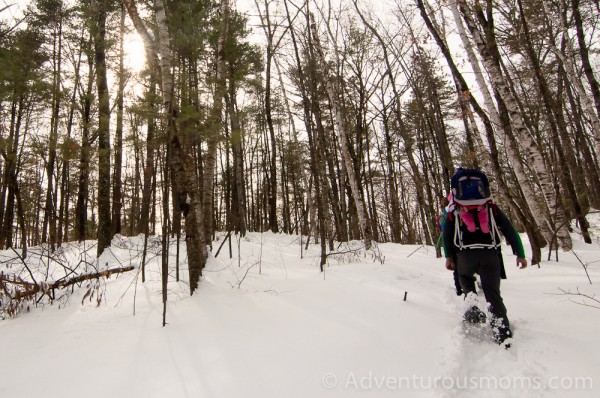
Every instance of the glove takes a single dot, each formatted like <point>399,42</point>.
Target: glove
<point>449,264</point>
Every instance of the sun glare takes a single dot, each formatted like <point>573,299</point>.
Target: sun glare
<point>135,56</point>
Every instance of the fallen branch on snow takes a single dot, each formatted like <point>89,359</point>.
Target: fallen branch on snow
<point>24,289</point>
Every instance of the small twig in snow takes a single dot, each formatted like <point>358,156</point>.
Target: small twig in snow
<point>579,294</point>
<point>584,266</point>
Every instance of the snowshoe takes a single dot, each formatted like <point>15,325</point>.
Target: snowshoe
<point>476,332</point>
<point>474,315</point>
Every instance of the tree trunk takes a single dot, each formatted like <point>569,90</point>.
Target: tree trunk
<point>7,196</point>
<point>396,230</point>
<point>180,160</point>
<point>407,139</point>
<point>50,207</point>
<point>65,192</point>
<point>317,163</point>
<point>149,172</point>
<point>104,214</point>
<point>584,52</point>
<point>215,126</point>
<point>529,221</point>
<point>531,152</point>
<point>269,119</point>
<point>572,76</point>
<point>238,164</point>
<point>118,147</point>
<point>344,145</point>
<point>81,207</point>
<point>558,127</point>
<point>588,161</point>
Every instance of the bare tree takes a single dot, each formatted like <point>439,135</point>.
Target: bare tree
<point>340,122</point>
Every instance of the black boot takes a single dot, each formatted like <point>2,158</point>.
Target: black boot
<point>502,333</point>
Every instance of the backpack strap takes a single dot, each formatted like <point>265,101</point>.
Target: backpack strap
<point>493,228</point>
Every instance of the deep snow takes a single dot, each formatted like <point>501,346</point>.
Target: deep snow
<point>269,324</point>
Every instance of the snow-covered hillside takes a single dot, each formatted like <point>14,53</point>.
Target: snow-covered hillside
<point>269,324</point>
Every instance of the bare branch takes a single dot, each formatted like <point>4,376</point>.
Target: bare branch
<point>6,7</point>
<point>585,297</point>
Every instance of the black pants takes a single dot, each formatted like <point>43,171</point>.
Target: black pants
<point>488,264</point>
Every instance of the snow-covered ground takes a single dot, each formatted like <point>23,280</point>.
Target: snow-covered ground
<point>269,324</point>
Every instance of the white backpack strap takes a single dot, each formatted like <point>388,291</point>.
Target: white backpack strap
<point>457,232</point>
<point>494,231</point>
<point>496,241</point>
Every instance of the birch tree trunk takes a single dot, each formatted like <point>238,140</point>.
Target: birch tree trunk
<point>531,152</point>
<point>340,124</point>
<point>530,222</point>
<point>516,197</point>
<point>481,83</point>
<point>558,128</point>
<point>180,162</point>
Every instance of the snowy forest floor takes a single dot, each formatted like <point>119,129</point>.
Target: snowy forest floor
<point>268,324</point>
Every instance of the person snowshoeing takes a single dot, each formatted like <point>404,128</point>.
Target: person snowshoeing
<point>472,245</point>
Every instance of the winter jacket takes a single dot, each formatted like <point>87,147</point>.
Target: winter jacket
<point>477,238</point>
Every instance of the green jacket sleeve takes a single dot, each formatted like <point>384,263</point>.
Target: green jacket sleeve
<point>510,233</point>
<point>448,236</point>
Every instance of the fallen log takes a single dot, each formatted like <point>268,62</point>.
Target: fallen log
<point>29,289</point>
